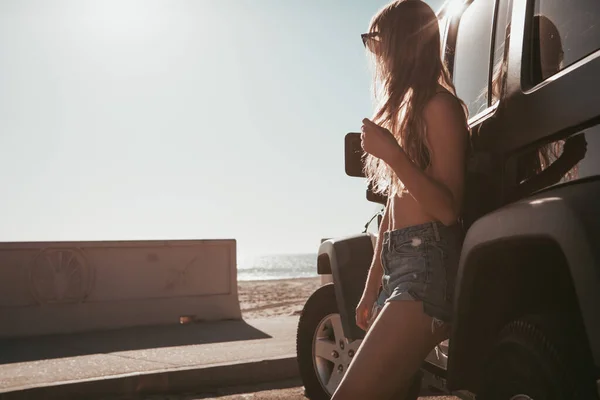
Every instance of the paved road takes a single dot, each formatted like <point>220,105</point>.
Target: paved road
<point>292,394</point>
<point>135,353</point>
<point>287,390</point>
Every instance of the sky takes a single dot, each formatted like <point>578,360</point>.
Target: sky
<point>181,119</point>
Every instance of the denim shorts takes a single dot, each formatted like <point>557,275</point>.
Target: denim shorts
<point>420,263</point>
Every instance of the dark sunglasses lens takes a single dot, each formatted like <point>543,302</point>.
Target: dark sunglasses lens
<point>364,39</point>
<point>368,38</point>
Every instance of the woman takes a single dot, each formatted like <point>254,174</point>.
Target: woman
<point>416,146</point>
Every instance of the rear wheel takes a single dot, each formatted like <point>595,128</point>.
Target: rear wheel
<point>539,357</point>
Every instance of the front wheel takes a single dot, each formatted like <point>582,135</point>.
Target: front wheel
<point>538,357</point>
<point>323,351</point>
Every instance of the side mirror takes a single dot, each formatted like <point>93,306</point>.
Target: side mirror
<point>353,159</point>
<point>355,166</point>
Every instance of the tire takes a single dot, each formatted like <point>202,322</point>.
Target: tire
<point>320,370</point>
<point>323,352</point>
<point>539,357</point>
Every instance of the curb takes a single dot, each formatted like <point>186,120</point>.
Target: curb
<point>195,379</point>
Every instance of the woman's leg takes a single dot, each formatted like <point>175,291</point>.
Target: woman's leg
<point>391,353</point>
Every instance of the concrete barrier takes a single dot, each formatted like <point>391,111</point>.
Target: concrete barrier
<point>63,287</point>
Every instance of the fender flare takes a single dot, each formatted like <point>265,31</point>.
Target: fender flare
<point>570,217</point>
<point>348,260</point>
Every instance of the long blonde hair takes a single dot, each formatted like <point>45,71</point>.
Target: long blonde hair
<point>408,71</point>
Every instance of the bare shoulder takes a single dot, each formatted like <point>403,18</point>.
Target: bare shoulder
<point>444,113</point>
<point>445,106</point>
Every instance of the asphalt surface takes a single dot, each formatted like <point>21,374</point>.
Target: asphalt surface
<point>293,394</point>
<point>288,390</point>
<point>184,357</point>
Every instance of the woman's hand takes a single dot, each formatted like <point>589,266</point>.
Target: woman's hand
<point>364,309</point>
<point>378,141</point>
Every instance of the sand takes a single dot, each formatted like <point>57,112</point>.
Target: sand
<point>272,298</point>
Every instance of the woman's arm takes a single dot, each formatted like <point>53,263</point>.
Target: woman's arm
<point>439,192</point>
<point>371,291</point>
<point>376,270</point>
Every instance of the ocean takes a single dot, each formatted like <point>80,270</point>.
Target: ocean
<point>282,266</point>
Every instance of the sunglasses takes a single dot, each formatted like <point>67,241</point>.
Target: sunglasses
<point>366,36</point>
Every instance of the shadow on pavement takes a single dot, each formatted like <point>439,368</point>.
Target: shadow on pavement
<point>137,338</point>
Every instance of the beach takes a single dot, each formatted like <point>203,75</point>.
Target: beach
<point>272,298</point>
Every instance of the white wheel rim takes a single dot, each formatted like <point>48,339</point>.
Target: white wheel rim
<point>521,397</point>
<point>332,352</point>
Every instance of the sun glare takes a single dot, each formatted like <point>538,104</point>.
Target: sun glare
<point>454,7</point>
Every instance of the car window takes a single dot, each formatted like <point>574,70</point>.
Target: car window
<point>501,35</point>
<point>472,55</point>
<point>563,33</point>
<point>564,160</point>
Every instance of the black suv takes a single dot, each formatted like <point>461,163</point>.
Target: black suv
<point>526,323</point>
